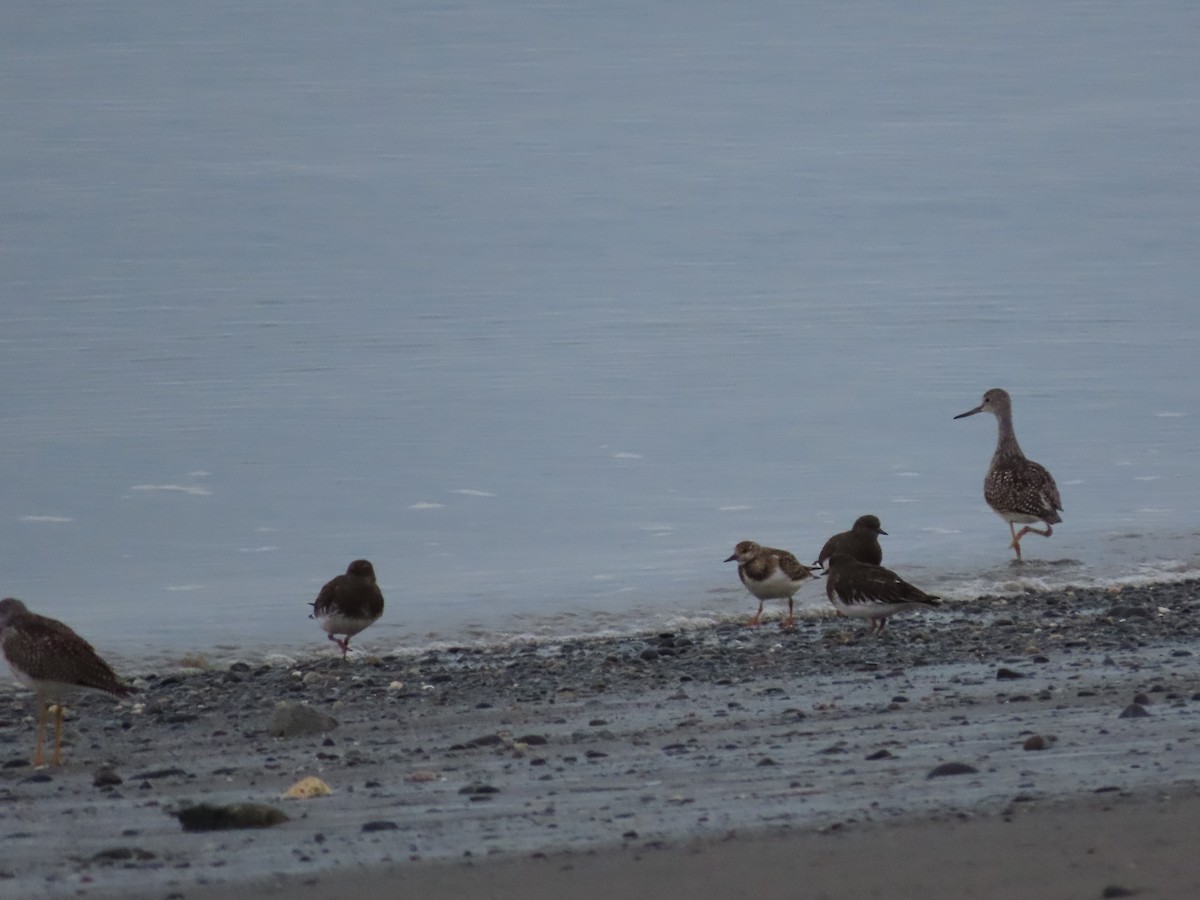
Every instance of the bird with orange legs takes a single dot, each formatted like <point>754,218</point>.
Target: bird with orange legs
<point>51,659</point>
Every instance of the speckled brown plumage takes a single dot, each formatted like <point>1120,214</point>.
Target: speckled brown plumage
<point>861,542</point>
<point>872,592</point>
<point>1017,488</point>
<point>54,661</point>
<point>349,603</point>
<point>769,574</point>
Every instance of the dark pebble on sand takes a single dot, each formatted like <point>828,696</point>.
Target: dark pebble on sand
<point>236,815</point>
<point>15,763</point>
<point>122,854</point>
<point>478,789</point>
<point>532,740</point>
<point>1036,742</point>
<point>1116,890</point>
<point>1142,699</point>
<point>1008,675</point>
<point>106,776</point>
<point>485,740</point>
<point>952,768</point>
<point>379,825</point>
<point>881,754</point>
<point>160,773</point>
<point>649,654</point>
<point>1133,711</point>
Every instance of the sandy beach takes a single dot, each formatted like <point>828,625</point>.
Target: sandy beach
<point>1037,745</point>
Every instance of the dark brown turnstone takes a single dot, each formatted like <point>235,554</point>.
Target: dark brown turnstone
<point>871,592</point>
<point>1018,489</point>
<point>860,542</point>
<point>769,574</point>
<point>349,603</point>
<point>55,662</point>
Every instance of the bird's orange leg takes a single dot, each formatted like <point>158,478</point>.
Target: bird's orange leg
<point>1016,538</point>
<point>1028,530</point>
<point>756,619</point>
<point>43,711</point>
<point>58,720</point>
<point>790,622</point>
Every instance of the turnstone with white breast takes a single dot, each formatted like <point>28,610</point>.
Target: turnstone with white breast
<point>770,574</point>
<point>1017,488</point>
<point>349,603</point>
<point>55,662</point>
<point>860,542</point>
<point>871,592</point>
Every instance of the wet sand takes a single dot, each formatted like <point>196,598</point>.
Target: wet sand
<point>728,761</point>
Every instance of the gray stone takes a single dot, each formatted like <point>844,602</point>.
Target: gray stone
<point>299,720</point>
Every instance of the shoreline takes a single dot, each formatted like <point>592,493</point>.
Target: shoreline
<point>654,742</point>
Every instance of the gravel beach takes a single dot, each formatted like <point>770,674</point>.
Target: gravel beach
<point>1046,736</point>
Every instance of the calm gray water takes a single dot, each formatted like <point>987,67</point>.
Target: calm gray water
<point>542,307</point>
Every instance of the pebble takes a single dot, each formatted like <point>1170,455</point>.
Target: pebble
<point>952,768</point>
<point>299,720</point>
<point>379,825</point>
<point>205,817</point>
<point>106,776</point>
<point>1134,711</point>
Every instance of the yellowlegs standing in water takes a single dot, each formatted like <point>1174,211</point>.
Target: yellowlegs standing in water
<point>769,574</point>
<point>1018,489</point>
<point>349,603</point>
<point>860,542</point>
<point>872,592</point>
<point>55,662</point>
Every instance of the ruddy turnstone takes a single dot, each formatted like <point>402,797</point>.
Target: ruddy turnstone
<point>769,574</point>
<point>1018,489</point>
<point>349,603</point>
<point>860,542</point>
<point>55,662</point>
<point>871,592</point>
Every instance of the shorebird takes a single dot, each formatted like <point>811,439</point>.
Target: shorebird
<point>349,603</point>
<point>769,574</point>
<point>872,592</point>
<point>860,542</point>
<point>1018,489</point>
<point>55,662</point>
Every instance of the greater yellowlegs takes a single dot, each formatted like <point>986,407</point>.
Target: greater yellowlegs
<point>55,662</point>
<point>872,592</point>
<point>349,603</point>
<point>860,542</point>
<point>1018,489</point>
<point>770,574</point>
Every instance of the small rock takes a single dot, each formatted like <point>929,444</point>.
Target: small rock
<point>952,768</point>
<point>106,776</point>
<point>1036,742</point>
<point>1115,890</point>
<point>478,789</point>
<point>122,854</point>
<point>881,754</point>
<point>299,720</point>
<point>766,761</point>
<point>379,825</point>
<point>172,772</point>
<point>205,817</point>
<point>1003,674</point>
<point>1133,711</point>
<point>1143,700</point>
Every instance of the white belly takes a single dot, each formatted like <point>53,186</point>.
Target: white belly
<point>776,586</point>
<point>334,623</point>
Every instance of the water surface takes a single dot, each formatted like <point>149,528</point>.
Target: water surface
<point>543,307</point>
